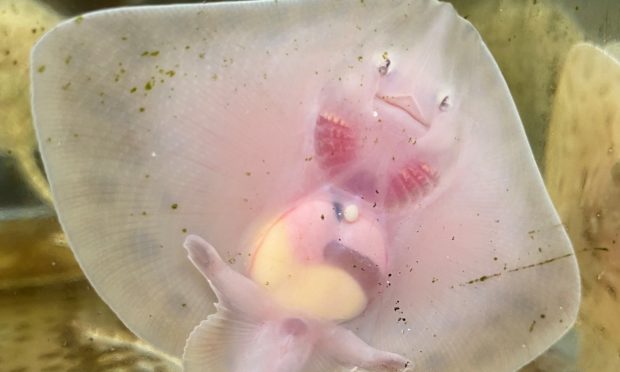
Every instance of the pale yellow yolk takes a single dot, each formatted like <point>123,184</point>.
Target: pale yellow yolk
<point>320,290</point>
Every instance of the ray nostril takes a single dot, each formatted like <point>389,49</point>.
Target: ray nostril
<point>384,68</point>
<point>445,104</point>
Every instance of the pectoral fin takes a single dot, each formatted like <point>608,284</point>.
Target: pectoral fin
<point>224,344</point>
<point>234,291</point>
<point>212,345</point>
<point>348,349</point>
<point>250,332</point>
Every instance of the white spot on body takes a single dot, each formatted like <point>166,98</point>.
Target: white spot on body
<point>351,213</point>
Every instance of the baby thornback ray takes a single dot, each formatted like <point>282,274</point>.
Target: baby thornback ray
<point>359,165</point>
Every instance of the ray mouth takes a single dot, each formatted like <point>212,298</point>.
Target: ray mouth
<point>408,106</point>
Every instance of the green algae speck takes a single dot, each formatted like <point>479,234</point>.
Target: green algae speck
<point>153,53</point>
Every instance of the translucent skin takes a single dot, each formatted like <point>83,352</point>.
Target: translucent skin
<point>311,266</point>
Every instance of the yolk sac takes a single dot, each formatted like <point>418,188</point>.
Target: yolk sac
<point>362,268</point>
<point>318,264</point>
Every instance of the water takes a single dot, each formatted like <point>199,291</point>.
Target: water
<point>51,320</point>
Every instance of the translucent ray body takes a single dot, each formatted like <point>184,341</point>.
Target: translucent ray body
<point>159,121</point>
